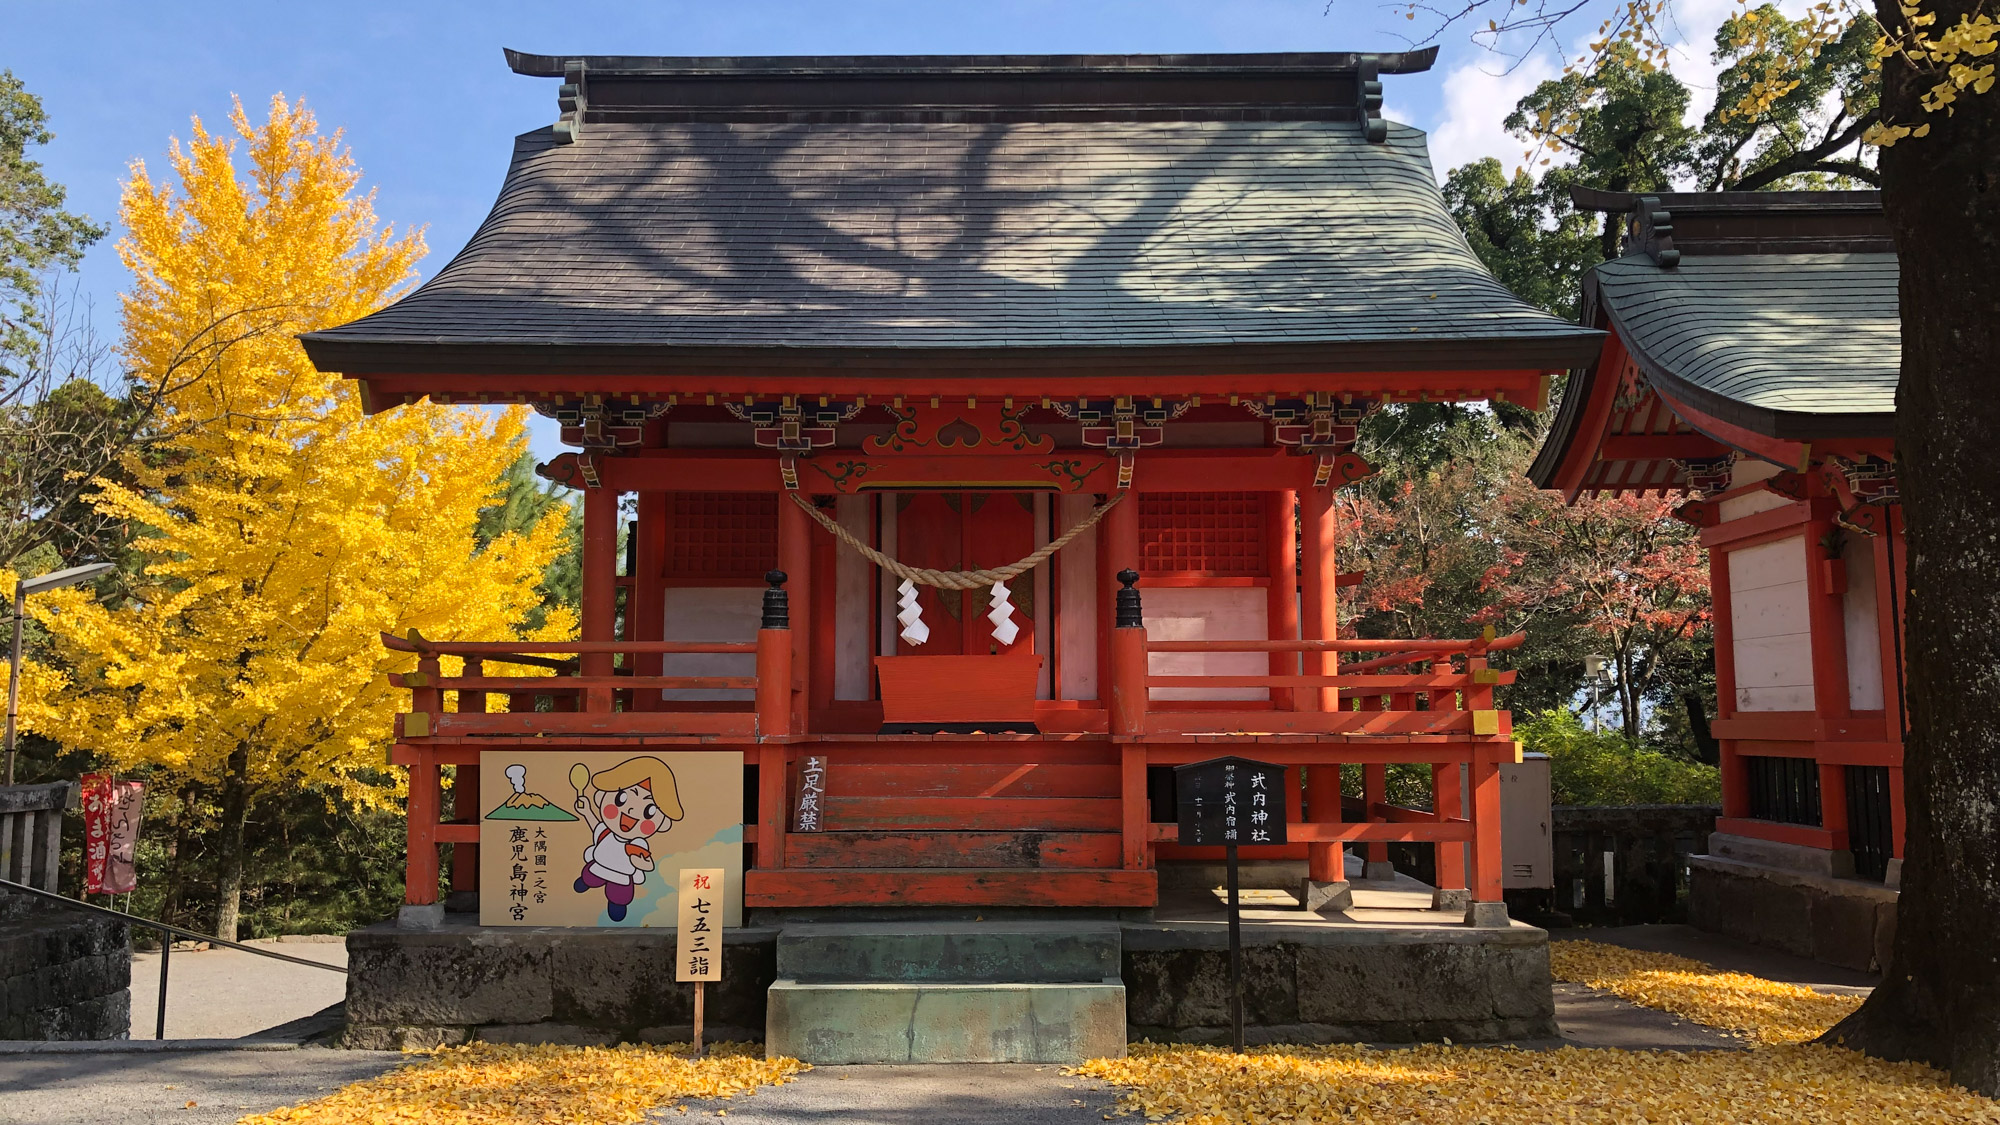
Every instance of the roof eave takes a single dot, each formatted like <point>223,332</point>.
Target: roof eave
<point>1785,425</point>
<point>360,356</point>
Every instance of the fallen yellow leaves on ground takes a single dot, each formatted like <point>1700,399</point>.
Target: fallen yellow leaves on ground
<point>498,1084</point>
<point>1764,1011</point>
<point>1440,1085</point>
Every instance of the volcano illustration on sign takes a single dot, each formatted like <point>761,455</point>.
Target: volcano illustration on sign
<point>523,805</point>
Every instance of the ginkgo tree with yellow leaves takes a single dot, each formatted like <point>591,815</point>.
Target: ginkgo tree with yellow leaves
<point>282,529</point>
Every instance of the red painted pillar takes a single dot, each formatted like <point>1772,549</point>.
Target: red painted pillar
<point>795,559</point>
<point>600,586</point>
<point>646,610</point>
<point>1281,607</point>
<point>1375,791</point>
<point>1319,619</point>
<point>1486,822</point>
<point>1118,549</point>
<point>1318,580</point>
<point>1448,803</point>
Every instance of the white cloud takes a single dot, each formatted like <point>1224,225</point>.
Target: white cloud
<point>1477,98</point>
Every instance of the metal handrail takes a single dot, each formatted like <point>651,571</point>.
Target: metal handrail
<point>166,947</point>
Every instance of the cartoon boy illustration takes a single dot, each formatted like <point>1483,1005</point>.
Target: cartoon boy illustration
<point>626,806</point>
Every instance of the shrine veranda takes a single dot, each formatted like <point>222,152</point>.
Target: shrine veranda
<point>829,323</point>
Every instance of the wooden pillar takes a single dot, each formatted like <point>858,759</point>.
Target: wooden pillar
<point>465,792</point>
<point>1324,861</point>
<point>1137,815</point>
<point>1117,549</point>
<point>795,559</point>
<point>825,653</point>
<point>1486,821</point>
<point>1375,791</point>
<point>1281,606</point>
<point>600,587</point>
<point>1319,617</point>
<point>1448,802</point>
<point>420,880</point>
<point>646,605</point>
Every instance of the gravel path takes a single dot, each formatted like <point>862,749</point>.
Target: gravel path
<point>182,1087</point>
<point>228,994</point>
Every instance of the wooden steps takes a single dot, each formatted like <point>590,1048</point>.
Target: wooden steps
<point>798,887</point>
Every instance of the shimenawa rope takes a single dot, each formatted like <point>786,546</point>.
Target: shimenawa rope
<point>957,579</point>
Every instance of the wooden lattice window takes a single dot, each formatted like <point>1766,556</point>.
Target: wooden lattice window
<point>1202,535</point>
<point>721,536</point>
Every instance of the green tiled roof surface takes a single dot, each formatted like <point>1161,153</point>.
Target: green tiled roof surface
<point>1765,334</point>
<point>973,235</point>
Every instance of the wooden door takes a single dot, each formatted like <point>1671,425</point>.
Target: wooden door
<point>964,531</point>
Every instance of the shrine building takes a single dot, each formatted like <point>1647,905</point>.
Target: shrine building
<point>1751,362</point>
<point>980,421</point>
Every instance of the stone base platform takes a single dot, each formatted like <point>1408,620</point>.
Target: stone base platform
<point>942,986</point>
<point>1803,901</point>
<point>64,974</point>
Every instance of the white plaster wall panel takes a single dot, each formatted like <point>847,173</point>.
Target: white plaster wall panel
<point>853,625</point>
<point>1076,580</point>
<point>1736,507</point>
<point>1770,626</point>
<point>1749,470</point>
<point>712,613</point>
<point>1197,613</point>
<point>1858,609</point>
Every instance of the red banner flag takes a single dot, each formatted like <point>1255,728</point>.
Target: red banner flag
<point>110,833</point>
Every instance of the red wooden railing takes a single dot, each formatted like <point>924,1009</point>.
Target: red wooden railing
<point>1435,713</point>
<point>582,703</point>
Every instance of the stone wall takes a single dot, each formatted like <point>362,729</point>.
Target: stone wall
<point>417,988</point>
<point>64,974</point>
<point>1747,894</point>
<point>1470,986</point>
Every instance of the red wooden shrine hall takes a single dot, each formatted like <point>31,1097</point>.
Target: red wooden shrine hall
<point>825,324</point>
<point>1751,365</point>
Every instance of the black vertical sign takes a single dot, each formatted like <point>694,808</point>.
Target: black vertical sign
<point>1227,801</point>
<point>1231,802</point>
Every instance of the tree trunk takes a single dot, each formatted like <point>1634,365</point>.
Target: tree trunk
<point>229,864</point>
<point>1940,999</point>
<point>1706,749</point>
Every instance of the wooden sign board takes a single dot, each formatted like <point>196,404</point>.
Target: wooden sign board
<point>809,813</point>
<point>698,950</point>
<point>599,838</point>
<point>1230,802</point>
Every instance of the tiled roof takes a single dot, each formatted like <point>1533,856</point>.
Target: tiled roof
<point>1761,339</point>
<point>1225,245</point>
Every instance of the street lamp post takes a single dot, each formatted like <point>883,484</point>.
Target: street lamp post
<point>1596,669</point>
<point>22,589</point>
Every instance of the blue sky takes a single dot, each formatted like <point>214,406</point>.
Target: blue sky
<point>429,106</point>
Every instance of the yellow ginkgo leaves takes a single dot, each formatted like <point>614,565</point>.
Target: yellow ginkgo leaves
<point>491,1084</point>
<point>1753,1008</point>
<point>1439,1085</point>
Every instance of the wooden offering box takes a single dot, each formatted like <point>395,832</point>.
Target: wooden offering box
<point>958,690</point>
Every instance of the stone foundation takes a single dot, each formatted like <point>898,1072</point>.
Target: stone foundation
<point>408,988</point>
<point>1789,898</point>
<point>64,974</point>
<point>953,989</point>
<point>1324,985</point>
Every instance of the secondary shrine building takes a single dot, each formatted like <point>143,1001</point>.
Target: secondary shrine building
<point>1752,358</point>
<point>1077,346</point>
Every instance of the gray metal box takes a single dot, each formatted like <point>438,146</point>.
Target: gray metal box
<point>1527,854</point>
